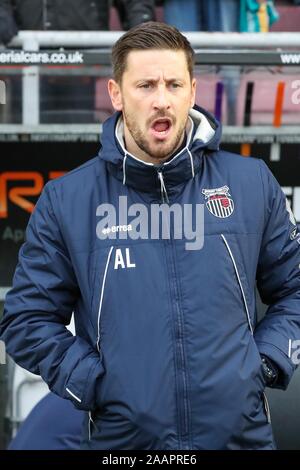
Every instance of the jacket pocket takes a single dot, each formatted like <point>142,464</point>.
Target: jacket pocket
<point>260,372</point>
<point>239,282</point>
<point>99,287</point>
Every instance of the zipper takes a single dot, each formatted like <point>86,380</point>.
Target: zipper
<point>182,366</point>
<point>265,399</point>
<point>239,281</point>
<point>180,355</point>
<point>101,296</point>
<point>182,387</point>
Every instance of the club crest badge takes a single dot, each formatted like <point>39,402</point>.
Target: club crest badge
<point>219,201</point>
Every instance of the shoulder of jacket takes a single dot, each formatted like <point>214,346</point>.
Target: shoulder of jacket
<point>232,157</point>
<point>234,160</point>
<point>86,169</point>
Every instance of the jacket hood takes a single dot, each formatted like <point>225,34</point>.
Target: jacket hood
<point>203,135</point>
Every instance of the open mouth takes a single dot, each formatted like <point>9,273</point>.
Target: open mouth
<point>160,128</point>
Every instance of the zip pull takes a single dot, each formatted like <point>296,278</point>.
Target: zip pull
<point>91,423</point>
<point>163,191</point>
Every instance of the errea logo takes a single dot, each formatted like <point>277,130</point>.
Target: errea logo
<point>2,92</point>
<point>116,229</point>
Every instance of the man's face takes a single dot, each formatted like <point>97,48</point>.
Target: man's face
<point>155,96</point>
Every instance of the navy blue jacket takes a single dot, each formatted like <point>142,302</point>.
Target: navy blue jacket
<point>167,352</point>
<point>53,424</point>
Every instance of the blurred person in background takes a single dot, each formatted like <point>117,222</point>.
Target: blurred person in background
<point>257,16</point>
<point>62,98</point>
<point>53,424</point>
<point>200,15</point>
<point>55,15</point>
<point>134,12</point>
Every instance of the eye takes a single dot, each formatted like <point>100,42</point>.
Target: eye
<point>175,85</point>
<point>145,85</point>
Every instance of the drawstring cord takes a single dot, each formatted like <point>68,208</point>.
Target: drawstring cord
<point>163,191</point>
<point>192,162</point>
<point>124,168</point>
<point>91,422</point>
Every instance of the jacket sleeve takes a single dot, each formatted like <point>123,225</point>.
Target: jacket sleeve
<point>8,27</point>
<point>38,307</point>
<point>278,280</point>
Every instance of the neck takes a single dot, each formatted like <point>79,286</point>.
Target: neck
<point>132,147</point>
<point>135,150</point>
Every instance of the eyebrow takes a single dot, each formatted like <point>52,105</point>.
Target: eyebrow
<point>153,80</point>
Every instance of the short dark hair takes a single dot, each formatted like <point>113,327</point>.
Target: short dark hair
<point>149,35</point>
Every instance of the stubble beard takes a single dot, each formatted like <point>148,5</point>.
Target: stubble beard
<point>162,150</point>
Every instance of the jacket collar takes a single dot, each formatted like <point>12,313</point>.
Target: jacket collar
<point>160,182</point>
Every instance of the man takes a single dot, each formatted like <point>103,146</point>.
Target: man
<point>168,352</point>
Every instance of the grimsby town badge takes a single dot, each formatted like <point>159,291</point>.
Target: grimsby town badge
<point>219,202</point>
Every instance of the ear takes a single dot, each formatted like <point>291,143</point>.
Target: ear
<point>193,96</point>
<point>115,94</point>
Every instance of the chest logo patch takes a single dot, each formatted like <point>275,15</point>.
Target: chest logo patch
<point>219,201</point>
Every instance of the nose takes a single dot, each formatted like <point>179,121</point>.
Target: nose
<point>161,100</point>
